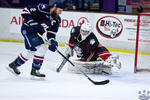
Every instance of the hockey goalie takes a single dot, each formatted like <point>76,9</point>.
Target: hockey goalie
<point>91,56</point>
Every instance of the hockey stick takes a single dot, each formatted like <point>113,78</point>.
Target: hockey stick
<point>62,65</point>
<point>94,82</point>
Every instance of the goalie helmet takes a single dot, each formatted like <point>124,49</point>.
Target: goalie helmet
<point>85,30</point>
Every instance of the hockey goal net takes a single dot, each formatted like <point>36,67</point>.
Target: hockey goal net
<point>142,50</point>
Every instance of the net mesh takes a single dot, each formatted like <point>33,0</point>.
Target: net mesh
<point>143,47</point>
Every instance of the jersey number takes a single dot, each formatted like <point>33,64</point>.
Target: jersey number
<point>32,9</point>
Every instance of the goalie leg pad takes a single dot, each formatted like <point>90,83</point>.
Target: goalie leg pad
<point>92,67</point>
<point>107,68</point>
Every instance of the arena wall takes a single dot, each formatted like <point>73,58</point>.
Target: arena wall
<point>113,30</point>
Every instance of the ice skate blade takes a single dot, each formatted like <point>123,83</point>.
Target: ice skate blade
<point>11,70</point>
<point>37,78</point>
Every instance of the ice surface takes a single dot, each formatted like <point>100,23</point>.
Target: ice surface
<point>124,84</point>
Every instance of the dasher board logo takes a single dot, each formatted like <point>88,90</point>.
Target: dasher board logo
<point>82,20</point>
<point>109,27</point>
<point>144,95</point>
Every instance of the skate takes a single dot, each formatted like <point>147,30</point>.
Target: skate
<point>35,72</point>
<point>14,68</point>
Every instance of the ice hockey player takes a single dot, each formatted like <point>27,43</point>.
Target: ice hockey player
<point>38,20</point>
<point>92,56</point>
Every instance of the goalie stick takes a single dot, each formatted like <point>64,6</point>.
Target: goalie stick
<point>62,65</point>
<point>64,62</point>
<point>94,82</point>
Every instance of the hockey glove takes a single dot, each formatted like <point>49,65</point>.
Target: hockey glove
<point>114,61</point>
<point>53,45</point>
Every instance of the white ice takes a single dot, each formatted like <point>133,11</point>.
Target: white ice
<point>124,84</point>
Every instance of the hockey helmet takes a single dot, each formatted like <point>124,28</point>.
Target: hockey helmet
<point>85,30</point>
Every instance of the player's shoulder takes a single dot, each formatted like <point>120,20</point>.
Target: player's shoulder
<point>93,37</point>
<point>76,27</point>
<point>43,8</point>
<point>58,19</point>
<point>75,30</point>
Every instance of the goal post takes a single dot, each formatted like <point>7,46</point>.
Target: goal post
<point>142,49</point>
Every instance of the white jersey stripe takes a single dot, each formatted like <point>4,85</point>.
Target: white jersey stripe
<point>37,58</point>
<point>28,40</point>
<point>52,32</point>
<point>22,58</point>
<point>103,54</point>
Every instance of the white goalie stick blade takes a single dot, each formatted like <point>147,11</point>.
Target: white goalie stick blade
<point>61,65</point>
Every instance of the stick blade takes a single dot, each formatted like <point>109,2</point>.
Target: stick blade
<point>62,65</point>
<point>100,82</point>
<point>57,70</point>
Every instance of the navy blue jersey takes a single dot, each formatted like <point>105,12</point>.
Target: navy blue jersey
<point>40,15</point>
<point>87,47</point>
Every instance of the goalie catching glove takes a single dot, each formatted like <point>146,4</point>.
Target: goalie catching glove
<point>113,61</point>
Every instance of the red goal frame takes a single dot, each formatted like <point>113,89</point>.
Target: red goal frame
<point>137,43</point>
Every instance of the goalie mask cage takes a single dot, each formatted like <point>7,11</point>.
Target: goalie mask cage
<point>142,50</point>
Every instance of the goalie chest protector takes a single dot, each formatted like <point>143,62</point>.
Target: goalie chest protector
<point>84,47</point>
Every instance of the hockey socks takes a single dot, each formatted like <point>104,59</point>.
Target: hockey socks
<point>20,60</point>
